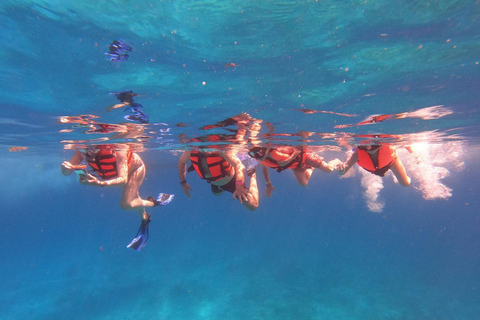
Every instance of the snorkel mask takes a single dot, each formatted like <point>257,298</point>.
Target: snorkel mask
<point>257,152</point>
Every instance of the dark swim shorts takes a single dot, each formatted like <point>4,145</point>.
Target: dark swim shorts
<point>230,186</point>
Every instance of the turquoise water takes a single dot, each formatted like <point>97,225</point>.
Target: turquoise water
<point>342,248</point>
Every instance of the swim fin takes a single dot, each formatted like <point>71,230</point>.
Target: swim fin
<point>162,200</point>
<point>141,238</point>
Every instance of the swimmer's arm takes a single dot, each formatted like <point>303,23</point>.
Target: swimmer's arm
<point>69,166</point>
<point>232,158</point>
<point>269,187</point>
<point>350,162</point>
<point>182,172</point>
<point>266,175</point>
<point>182,166</point>
<point>241,192</point>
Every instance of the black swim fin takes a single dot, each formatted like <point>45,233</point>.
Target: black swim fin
<point>141,238</point>
<point>162,200</point>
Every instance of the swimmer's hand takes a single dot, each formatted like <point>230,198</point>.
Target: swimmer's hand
<point>186,189</point>
<point>90,180</point>
<point>341,168</point>
<point>335,164</point>
<point>68,168</point>
<point>241,193</point>
<point>269,189</point>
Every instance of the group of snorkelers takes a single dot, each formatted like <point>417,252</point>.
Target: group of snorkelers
<point>219,160</point>
<point>222,167</point>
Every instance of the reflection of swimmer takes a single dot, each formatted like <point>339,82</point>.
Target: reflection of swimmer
<point>118,167</point>
<point>311,111</point>
<point>117,51</point>
<point>378,159</point>
<point>125,96</point>
<point>137,113</point>
<point>135,109</point>
<point>301,160</point>
<point>225,172</point>
<point>117,58</point>
<point>235,136</point>
<point>119,47</point>
<point>16,149</point>
<point>427,113</point>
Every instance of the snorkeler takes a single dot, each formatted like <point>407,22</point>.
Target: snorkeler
<point>302,161</point>
<point>224,172</point>
<point>118,166</point>
<point>378,159</point>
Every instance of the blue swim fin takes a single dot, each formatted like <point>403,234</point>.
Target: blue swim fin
<point>141,238</point>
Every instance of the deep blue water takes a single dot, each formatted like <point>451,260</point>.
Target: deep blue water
<point>328,251</point>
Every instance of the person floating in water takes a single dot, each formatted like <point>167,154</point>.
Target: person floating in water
<point>117,165</point>
<point>221,167</point>
<point>135,109</point>
<point>302,161</point>
<point>224,172</point>
<point>378,159</point>
<point>118,51</point>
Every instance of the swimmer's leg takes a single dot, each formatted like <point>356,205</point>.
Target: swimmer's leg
<point>399,171</point>
<point>303,175</point>
<point>314,160</point>
<point>130,197</point>
<point>253,199</point>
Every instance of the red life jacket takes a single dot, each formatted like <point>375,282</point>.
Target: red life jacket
<point>217,166</point>
<point>385,158</point>
<point>105,163</point>
<point>275,156</point>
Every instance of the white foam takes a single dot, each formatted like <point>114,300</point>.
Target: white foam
<point>429,164</point>
<point>372,185</point>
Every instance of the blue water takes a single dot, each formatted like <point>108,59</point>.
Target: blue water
<point>333,250</point>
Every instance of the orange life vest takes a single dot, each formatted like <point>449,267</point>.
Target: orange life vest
<point>275,156</point>
<point>385,158</point>
<point>105,163</point>
<point>217,166</point>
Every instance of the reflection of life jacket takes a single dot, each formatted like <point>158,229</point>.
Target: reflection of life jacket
<point>275,156</point>
<point>379,166</point>
<point>105,163</point>
<point>217,166</point>
<point>215,138</point>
